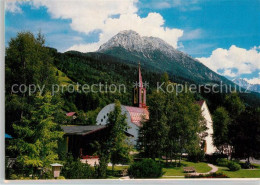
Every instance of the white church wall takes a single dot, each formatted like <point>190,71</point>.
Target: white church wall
<point>103,117</point>
<point>209,139</point>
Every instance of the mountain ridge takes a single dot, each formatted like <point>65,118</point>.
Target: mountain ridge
<point>245,84</point>
<point>155,52</point>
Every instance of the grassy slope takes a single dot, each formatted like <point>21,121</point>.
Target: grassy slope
<point>63,78</point>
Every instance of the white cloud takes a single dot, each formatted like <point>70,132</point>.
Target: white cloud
<point>108,17</point>
<point>228,72</point>
<point>152,25</point>
<point>13,6</point>
<point>253,80</point>
<point>177,3</point>
<point>192,34</point>
<point>186,5</point>
<point>233,61</point>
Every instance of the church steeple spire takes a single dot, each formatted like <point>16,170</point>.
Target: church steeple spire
<point>140,91</point>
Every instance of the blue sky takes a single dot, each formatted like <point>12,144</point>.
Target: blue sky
<point>223,34</point>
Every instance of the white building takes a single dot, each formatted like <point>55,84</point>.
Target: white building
<point>134,116</point>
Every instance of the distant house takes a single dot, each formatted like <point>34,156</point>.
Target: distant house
<point>72,114</point>
<point>79,140</point>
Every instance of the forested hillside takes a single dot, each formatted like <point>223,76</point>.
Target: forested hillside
<point>86,68</point>
<point>98,67</point>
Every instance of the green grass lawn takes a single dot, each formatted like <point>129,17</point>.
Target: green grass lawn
<point>200,167</point>
<point>242,173</point>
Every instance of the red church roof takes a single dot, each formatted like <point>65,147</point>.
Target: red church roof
<point>200,103</point>
<point>137,114</point>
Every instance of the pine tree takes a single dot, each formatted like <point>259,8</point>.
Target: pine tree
<point>37,135</point>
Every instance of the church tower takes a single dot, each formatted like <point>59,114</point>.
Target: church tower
<point>139,91</point>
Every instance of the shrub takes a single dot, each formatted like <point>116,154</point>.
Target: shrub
<point>75,169</point>
<point>222,162</point>
<point>147,168</point>
<point>196,157</point>
<point>14,177</point>
<point>233,166</point>
<point>213,158</point>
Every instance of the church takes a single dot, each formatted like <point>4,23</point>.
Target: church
<point>78,139</point>
<point>134,114</point>
<point>139,112</point>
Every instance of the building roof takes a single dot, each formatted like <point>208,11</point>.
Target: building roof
<point>56,164</point>
<point>70,114</point>
<point>85,130</point>
<point>137,114</point>
<point>7,136</point>
<point>81,130</point>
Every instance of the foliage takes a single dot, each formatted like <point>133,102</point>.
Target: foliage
<point>234,105</point>
<point>245,134</point>
<point>37,136</point>
<point>214,157</point>
<point>233,166</point>
<point>114,147</point>
<point>221,122</point>
<point>147,168</point>
<point>61,178</point>
<point>153,133</point>
<point>75,169</point>
<point>196,156</point>
<point>27,61</point>
<point>178,123</point>
<point>222,162</point>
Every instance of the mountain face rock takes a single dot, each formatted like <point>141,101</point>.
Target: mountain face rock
<point>156,54</point>
<point>245,84</point>
<point>133,42</point>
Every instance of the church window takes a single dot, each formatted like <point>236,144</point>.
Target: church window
<point>142,95</point>
<point>135,96</point>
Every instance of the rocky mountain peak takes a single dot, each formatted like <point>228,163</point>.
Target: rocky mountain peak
<point>132,41</point>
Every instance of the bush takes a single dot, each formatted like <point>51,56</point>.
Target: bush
<point>233,166</point>
<point>222,162</point>
<point>75,169</point>
<point>147,168</point>
<point>196,157</point>
<point>213,158</point>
